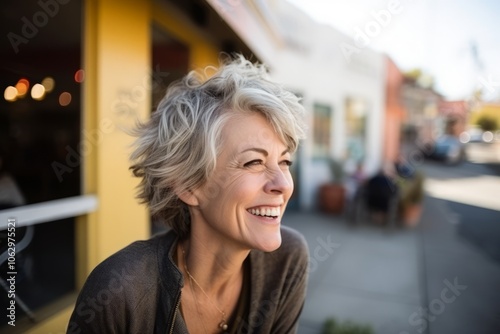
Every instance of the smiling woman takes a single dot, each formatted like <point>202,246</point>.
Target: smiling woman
<point>214,166</point>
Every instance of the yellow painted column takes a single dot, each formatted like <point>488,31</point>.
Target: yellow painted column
<point>123,96</point>
<point>116,93</point>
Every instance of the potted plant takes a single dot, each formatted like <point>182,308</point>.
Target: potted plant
<point>331,326</point>
<point>332,194</point>
<point>411,198</point>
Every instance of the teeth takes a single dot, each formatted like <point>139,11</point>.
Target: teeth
<point>266,212</point>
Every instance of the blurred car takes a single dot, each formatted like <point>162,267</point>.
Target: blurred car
<point>448,149</point>
<point>476,135</point>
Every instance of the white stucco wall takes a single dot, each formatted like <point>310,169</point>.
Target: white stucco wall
<point>323,75</point>
<point>306,57</point>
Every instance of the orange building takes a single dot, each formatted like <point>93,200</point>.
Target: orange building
<point>454,115</point>
<point>395,112</point>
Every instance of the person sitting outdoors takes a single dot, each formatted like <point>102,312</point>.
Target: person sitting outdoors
<point>381,193</point>
<point>214,165</point>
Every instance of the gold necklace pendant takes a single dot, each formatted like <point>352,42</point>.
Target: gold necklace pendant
<point>223,325</point>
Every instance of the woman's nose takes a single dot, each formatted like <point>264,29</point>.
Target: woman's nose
<point>280,181</point>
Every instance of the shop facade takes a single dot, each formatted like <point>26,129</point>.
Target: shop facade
<point>76,75</point>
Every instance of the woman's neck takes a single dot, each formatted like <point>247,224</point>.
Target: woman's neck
<point>216,268</point>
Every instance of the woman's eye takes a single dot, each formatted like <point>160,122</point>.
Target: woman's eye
<point>287,163</point>
<point>256,162</point>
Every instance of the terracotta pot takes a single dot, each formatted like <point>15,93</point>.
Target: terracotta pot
<point>411,215</point>
<point>331,198</point>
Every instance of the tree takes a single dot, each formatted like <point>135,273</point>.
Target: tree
<point>487,123</point>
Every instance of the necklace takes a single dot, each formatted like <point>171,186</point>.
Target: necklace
<point>223,324</point>
<point>197,306</point>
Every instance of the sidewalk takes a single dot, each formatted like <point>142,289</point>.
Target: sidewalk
<point>398,281</point>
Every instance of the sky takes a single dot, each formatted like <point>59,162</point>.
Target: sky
<point>457,42</point>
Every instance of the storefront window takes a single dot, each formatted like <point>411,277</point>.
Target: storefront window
<point>356,115</point>
<point>170,62</point>
<point>40,78</point>
<point>40,157</point>
<point>321,127</point>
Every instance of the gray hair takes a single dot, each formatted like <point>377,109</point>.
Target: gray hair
<point>178,147</point>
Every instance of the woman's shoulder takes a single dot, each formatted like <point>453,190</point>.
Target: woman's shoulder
<point>125,283</point>
<point>293,252</point>
<point>131,263</point>
<point>293,242</point>
<point>291,237</point>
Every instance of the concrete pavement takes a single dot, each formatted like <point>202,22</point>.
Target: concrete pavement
<point>401,281</point>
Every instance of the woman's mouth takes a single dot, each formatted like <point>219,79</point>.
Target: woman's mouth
<point>266,211</point>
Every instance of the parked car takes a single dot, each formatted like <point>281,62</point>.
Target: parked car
<point>476,135</point>
<point>448,149</point>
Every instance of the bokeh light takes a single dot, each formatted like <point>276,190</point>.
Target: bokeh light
<point>48,83</point>
<point>10,94</point>
<point>38,92</point>
<point>488,136</point>
<point>22,87</point>
<point>80,76</point>
<point>64,99</point>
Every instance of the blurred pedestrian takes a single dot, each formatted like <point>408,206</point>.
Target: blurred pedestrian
<point>382,194</point>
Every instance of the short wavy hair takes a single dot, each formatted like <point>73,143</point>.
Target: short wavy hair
<point>178,147</point>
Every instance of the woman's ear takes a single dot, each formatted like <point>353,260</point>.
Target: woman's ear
<point>188,197</point>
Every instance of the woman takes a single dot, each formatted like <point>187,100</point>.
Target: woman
<point>214,161</point>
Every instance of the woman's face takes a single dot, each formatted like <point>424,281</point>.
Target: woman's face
<point>244,199</point>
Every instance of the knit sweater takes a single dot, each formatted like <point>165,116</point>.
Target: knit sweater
<point>137,290</point>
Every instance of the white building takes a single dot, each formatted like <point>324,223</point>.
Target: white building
<point>344,94</point>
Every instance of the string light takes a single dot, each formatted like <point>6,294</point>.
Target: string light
<point>38,92</point>
<point>22,87</point>
<point>48,83</point>
<point>10,94</point>
<point>64,99</point>
<point>80,76</point>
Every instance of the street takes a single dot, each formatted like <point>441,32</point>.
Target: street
<point>466,244</point>
<point>441,277</point>
<point>468,194</point>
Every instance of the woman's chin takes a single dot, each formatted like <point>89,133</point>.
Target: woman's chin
<point>270,244</point>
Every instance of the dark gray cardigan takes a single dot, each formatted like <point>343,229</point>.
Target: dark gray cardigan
<point>137,290</point>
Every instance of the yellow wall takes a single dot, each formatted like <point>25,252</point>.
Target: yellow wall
<point>117,64</point>
<point>490,110</point>
<point>122,73</point>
